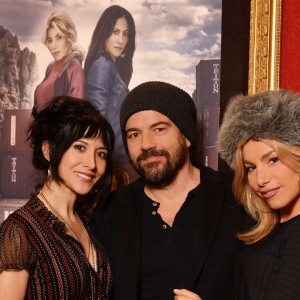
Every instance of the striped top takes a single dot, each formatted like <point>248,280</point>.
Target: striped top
<point>270,268</point>
<point>32,238</point>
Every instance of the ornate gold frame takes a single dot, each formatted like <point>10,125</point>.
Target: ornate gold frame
<point>264,50</point>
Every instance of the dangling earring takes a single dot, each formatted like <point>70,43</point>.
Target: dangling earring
<point>49,174</point>
<point>122,55</point>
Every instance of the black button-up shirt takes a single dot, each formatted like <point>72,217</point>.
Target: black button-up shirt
<point>169,254</point>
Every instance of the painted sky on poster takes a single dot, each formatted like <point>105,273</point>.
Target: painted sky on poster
<point>172,36</point>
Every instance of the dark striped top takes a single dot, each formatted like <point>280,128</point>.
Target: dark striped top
<point>32,238</point>
<point>270,268</point>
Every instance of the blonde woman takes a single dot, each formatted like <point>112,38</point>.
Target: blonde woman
<point>64,75</point>
<point>260,139</point>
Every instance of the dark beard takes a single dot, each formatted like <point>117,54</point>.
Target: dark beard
<point>161,177</point>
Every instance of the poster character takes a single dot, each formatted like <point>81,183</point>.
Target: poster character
<point>108,70</point>
<point>64,75</point>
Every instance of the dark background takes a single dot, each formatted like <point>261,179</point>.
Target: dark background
<point>234,54</point>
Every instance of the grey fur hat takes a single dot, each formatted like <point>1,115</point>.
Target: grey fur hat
<point>273,115</point>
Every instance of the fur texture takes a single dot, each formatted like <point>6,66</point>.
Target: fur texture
<point>273,115</point>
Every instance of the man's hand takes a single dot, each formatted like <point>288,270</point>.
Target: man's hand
<point>184,294</point>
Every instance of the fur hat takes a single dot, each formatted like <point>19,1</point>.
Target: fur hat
<point>273,115</point>
<point>165,98</point>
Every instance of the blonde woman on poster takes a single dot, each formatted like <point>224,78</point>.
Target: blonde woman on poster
<point>64,75</point>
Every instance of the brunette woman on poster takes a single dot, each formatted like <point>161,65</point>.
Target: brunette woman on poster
<point>108,70</point>
<point>64,75</point>
<point>260,139</point>
<point>47,250</point>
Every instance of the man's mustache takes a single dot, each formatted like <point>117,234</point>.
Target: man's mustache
<point>151,153</point>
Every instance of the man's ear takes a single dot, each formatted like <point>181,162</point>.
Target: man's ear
<point>46,149</point>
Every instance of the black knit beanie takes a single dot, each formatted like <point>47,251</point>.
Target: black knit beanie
<point>165,98</point>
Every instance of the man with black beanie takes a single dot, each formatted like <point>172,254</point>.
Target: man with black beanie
<point>172,233</point>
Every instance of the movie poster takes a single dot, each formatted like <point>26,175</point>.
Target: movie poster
<point>175,42</point>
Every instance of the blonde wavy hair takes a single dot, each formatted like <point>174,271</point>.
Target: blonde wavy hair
<point>63,23</point>
<point>265,217</point>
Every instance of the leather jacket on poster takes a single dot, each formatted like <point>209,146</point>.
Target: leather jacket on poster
<point>106,90</point>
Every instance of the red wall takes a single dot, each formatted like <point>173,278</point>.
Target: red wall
<point>290,46</point>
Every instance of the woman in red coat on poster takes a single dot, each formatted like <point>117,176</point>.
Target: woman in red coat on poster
<point>64,75</point>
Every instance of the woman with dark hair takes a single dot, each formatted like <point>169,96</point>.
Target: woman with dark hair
<point>64,75</point>
<point>47,250</point>
<point>108,68</point>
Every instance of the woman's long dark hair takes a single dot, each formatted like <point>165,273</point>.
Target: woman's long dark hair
<point>64,121</point>
<point>103,31</point>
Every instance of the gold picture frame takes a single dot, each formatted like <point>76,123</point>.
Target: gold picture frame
<point>264,49</point>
